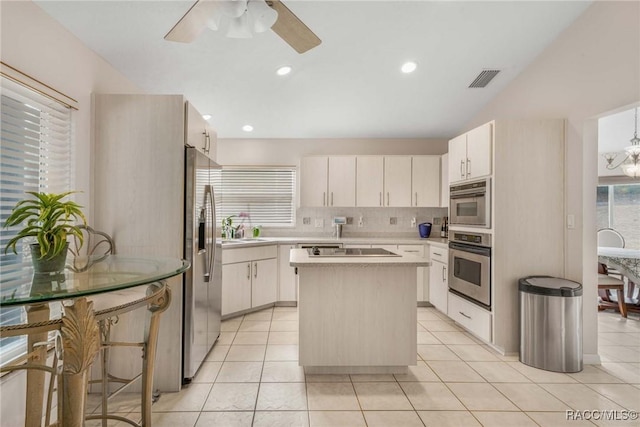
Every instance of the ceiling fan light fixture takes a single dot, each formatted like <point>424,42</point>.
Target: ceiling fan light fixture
<point>233,8</point>
<point>284,70</point>
<point>206,116</point>
<point>239,28</point>
<point>630,165</point>
<point>408,67</point>
<point>262,16</point>
<point>247,128</point>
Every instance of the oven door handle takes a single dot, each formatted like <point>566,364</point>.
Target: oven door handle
<point>480,250</point>
<point>464,195</point>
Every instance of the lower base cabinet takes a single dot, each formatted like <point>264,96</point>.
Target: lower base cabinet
<point>249,278</point>
<point>474,318</point>
<point>287,282</point>
<point>438,280</point>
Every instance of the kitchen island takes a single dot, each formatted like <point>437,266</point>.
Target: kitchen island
<point>357,314</point>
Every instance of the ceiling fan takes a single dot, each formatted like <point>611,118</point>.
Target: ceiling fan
<point>244,16</point>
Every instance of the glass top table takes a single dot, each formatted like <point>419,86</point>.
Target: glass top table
<point>81,327</point>
<point>115,272</point>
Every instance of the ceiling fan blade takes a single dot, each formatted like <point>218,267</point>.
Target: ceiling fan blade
<point>292,30</point>
<point>193,22</point>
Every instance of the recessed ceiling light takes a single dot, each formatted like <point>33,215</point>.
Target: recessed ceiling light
<point>409,67</point>
<point>247,128</point>
<point>283,71</point>
<point>206,116</point>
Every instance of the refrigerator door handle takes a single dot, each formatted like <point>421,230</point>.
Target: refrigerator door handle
<point>208,196</point>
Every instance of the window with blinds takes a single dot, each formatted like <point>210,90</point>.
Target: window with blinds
<point>266,194</point>
<point>35,153</point>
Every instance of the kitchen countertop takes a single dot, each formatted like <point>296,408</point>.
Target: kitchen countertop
<point>264,241</point>
<point>301,258</point>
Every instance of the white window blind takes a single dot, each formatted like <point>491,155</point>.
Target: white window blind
<point>266,194</point>
<point>35,153</point>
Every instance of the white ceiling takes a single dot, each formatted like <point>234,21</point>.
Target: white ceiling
<point>348,87</point>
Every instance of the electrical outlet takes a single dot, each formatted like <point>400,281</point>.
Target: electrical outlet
<point>393,220</point>
<point>319,222</point>
<point>306,220</point>
<point>361,222</point>
<point>349,220</point>
<point>413,222</point>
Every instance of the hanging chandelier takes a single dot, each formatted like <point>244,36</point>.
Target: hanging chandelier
<point>630,165</point>
<point>245,17</point>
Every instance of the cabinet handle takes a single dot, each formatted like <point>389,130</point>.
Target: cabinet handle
<point>461,168</point>
<point>388,198</point>
<point>324,198</point>
<point>468,166</point>
<point>249,271</point>
<point>416,198</point>
<point>381,198</point>
<point>468,317</point>
<point>205,147</point>
<point>255,269</point>
<point>436,253</point>
<point>444,276</point>
<point>332,198</point>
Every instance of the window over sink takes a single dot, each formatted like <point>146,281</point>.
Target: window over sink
<point>263,195</point>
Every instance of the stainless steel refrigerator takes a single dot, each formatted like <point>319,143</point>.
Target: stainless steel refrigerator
<point>203,281</point>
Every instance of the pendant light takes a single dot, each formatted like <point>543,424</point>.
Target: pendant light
<point>630,165</point>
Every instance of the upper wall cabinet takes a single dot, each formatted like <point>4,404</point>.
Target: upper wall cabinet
<point>198,132</point>
<point>369,181</point>
<point>444,180</point>
<point>314,172</point>
<point>328,181</point>
<point>470,154</point>
<point>342,181</point>
<point>397,181</point>
<point>425,181</point>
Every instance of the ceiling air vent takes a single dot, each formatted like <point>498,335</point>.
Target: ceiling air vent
<point>484,78</point>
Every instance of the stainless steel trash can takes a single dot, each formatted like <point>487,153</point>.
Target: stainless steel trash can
<point>551,323</point>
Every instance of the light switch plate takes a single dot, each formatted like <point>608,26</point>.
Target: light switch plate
<point>306,220</point>
<point>393,220</point>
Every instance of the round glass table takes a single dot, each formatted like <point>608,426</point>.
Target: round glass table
<point>109,287</point>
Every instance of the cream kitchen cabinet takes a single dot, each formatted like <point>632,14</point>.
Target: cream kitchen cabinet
<point>397,181</point>
<point>470,154</point>
<point>342,181</point>
<point>444,181</point>
<point>369,181</point>
<point>314,174</point>
<point>198,133</point>
<point>422,285</point>
<point>425,181</point>
<point>287,283</point>
<point>249,278</point>
<point>328,181</point>
<point>438,281</point>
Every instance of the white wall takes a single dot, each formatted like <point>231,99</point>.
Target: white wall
<point>37,45</point>
<point>592,68</point>
<point>289,151</point>
<point>40,47</point>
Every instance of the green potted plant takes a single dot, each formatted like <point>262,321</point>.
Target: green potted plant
<point>49,221</point>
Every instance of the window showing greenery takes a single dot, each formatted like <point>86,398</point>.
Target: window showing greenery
<point>618,207</point>
<point>263,195</point>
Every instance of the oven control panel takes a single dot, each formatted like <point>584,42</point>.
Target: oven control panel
<point>479,239</point>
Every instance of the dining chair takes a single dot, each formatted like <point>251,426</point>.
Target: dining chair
<point>607,284</point>
<point>610,238</point>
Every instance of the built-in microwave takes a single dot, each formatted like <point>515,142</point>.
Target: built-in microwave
<point>470,204</point>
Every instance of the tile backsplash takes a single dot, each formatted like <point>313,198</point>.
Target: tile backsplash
<point>392,222</point>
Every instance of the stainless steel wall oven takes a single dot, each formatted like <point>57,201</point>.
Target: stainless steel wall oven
<point>470,267</point>
<point>470,204</point>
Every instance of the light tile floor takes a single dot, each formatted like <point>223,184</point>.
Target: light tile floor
<point>252,377</point>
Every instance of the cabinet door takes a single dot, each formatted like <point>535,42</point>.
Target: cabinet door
<point>479,151</point>
<point>438,288</point>
<point>444,181</point>
<point>264,289</point>
<point>369,181</point>
<point>425,181</point>
<point>313,181</point>
<point>286,275</point>
<point>197,133</point>
<point>236,287</point>
<point>342,181</point>
<point>458,158</point>
<point>397,181</point>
